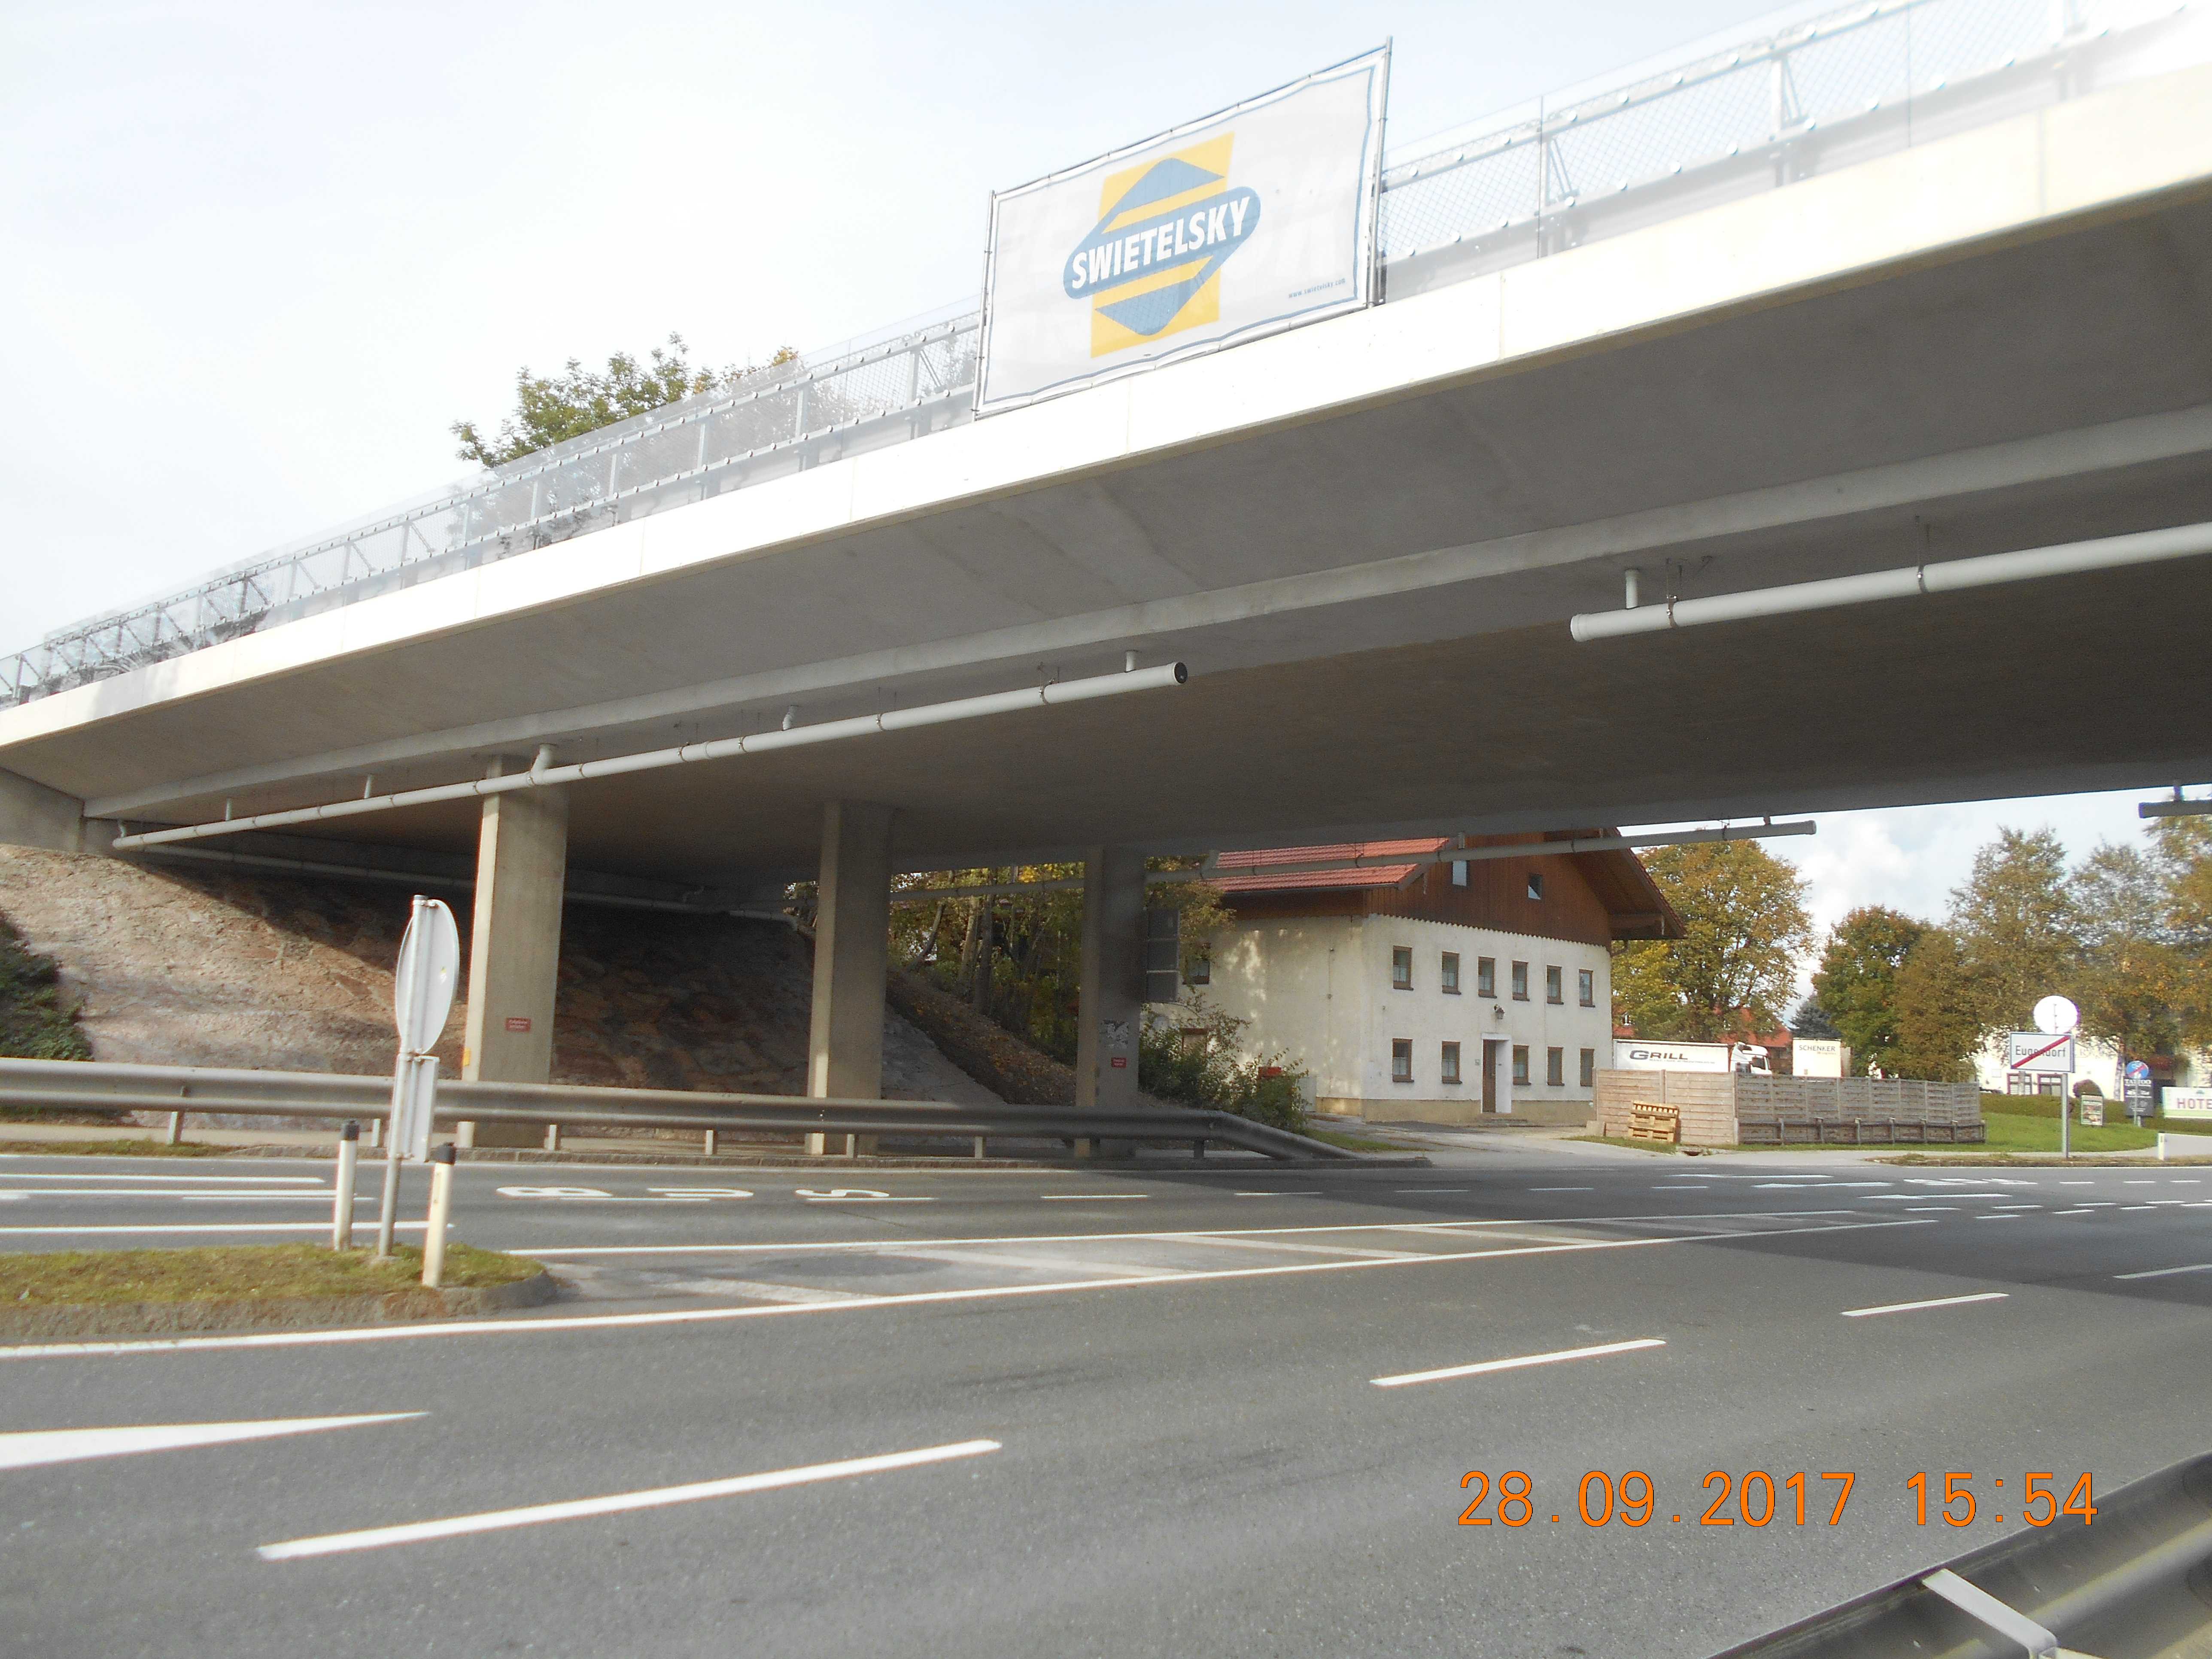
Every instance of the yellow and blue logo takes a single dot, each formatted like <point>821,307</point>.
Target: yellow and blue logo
<point>1151,265</point>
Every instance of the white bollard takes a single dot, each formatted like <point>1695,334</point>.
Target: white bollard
<point>441,1206</point>
<point>2161,1146</point>
<point>342,1197</point>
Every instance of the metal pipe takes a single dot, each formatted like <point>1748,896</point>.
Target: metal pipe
<point>541,775</point>
<point>1214,869</point>
<point>1950,577</point>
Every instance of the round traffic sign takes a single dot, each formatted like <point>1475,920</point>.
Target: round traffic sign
<point>2055,1016</point>
<point>2138,1071</point>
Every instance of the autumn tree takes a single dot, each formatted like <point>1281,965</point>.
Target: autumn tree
<point>1744,927</point>
<point>2184,854</point>
<point>1939,1011</point>
<point>2128,976</point>
<point>1856,985</point>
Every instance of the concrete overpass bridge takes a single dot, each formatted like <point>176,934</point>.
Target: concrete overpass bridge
<point>1967,321</point>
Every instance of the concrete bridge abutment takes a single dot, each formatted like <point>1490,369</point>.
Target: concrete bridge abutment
<point>852,955</point>
<point>514,949</point>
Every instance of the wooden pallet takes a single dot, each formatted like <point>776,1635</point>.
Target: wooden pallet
<point>1649,1122</point>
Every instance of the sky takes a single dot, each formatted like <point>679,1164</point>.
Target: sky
<point>256,258</point>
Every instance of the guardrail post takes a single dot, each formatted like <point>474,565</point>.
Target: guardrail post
<point>979,1145</point>
<point>342,1197</point>
<point>441,1206</point>
<point>552,1137</point>
<point>707,1142</point>
<point>1198,1147</point>
<point>176,1135</point>
<point>375,1133</point>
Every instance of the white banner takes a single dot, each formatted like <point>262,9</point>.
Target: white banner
<point>1257,219</point>
<point>2189,1102</point>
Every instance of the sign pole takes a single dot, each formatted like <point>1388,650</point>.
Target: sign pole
<point>423,985</point>
<point>387,1209</point>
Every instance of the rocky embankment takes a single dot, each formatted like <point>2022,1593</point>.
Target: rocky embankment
<point>179,967</point>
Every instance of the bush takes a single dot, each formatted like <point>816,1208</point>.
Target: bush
<point>35,1021</point>
<point>1195,1061</point>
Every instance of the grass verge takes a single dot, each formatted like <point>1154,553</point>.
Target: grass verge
<point>1354,1143</point>
<point>241,1272</point>
<point>109,1148</point>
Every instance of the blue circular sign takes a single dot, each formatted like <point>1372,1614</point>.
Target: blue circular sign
<point>2137,1069</point>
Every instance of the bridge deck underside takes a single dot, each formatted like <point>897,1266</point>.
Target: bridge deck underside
<point>1459,705</point>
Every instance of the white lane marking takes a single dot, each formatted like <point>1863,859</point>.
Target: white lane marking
<point>700,1192</point>
<point>204,1227</point>
<point>618,1504</point>
<point>1779,1187</point>
<point>2178,1180</point>
<point>102,1175</point>
<point>854,1195</point>
<point>1088,1198</point>
<point>2000,1217</point>
<point>714,1315</point>
<point>1296,1249</point>
<point>2077,1184</point>
<point>1562,1189</point>
<point>2100,1203</point>
<point>2138,1183</point>
<point>1463,1228</point>
<point>760,1291</point>
<point>2055,1214</point>
<point>1516,1365</point>
<point>1682,1189</point>
<point>2125,1207</point>
<point>1915,1307</point>
<point>1453,1189</point>
<point>31,1447</point>
<point>322,1196</point>
<point>2161,1273</point>
<point>1933,1209</point>
<point>1305,1192</point>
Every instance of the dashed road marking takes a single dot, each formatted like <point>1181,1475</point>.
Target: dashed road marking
<point>1915,1307</point>
<point>1486,1365</point>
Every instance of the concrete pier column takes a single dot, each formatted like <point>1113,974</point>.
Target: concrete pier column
<point>1112,985</point>
<point>514,949</point>
<point>852,949</point>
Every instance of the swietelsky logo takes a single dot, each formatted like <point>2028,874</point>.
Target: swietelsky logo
<point>1152,264</point>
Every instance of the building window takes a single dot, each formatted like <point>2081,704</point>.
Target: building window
<point>1459,872</point>
<point>1451,973</point>
<point>1402,967</point>
<point>1552,989</point>
<point>1402,1059</point>
<point>1586,986</point>
<point>1555,1068</point>
<point>1535,886</point>
<point>1589,1068</point>
<point>1486,977</point>
<point>1521,1064</point>
<point>1198,969</point>
<point>1451,1062</point>
<point>1520,981</point>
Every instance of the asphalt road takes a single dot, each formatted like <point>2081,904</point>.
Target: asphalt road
<point>1169,1413</point>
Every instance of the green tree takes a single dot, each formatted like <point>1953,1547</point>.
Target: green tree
<point>1857,984</point>
<point>2015,920</point>
<point>1744,927</point>
<point>1939,1011</point>
<point>551,409</point>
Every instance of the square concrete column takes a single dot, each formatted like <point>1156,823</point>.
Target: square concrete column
<point>1113,981</point>
<point>514,949</point>
<point>852,955</point>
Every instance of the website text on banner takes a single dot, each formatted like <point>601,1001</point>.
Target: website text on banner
<point>1257,219</point>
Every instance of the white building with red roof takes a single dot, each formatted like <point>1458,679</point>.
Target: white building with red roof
<point>1433,990</point>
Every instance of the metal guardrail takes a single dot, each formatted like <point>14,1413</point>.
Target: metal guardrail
<point>1757,115</point>
<point>2134,1583</point>
<point>109,1086</point>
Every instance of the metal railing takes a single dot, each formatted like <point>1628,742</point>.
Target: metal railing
<point>94,1085</point>
<point>1824,93</point>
